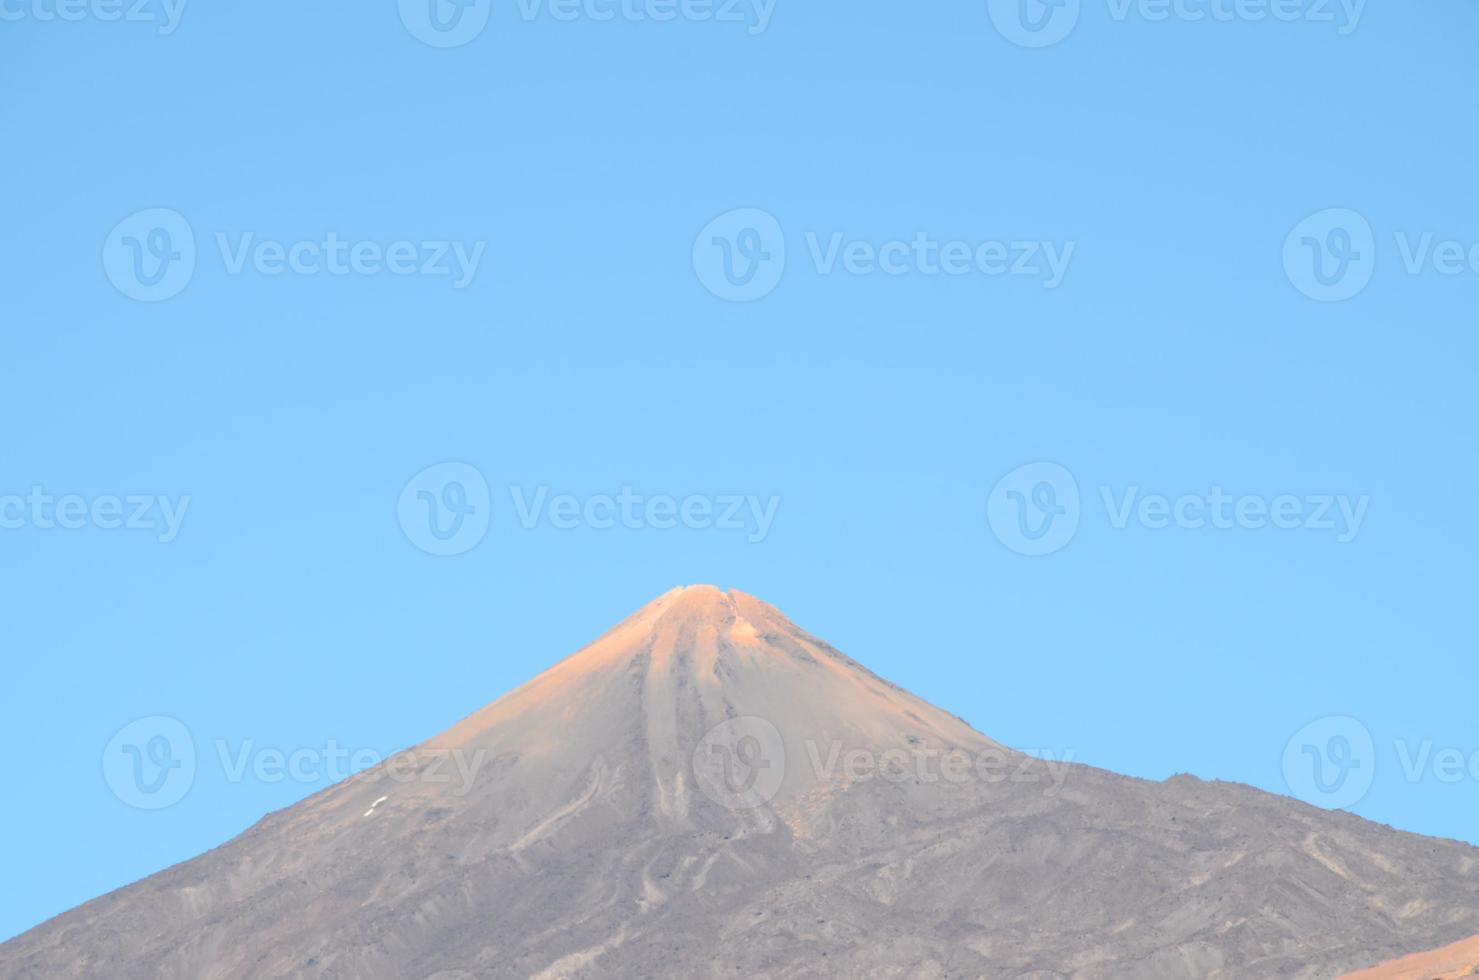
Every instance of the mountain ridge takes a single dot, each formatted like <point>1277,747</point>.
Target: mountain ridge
<point>708,790</point>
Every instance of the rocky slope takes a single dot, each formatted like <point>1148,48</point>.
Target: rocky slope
<point>709,791</point>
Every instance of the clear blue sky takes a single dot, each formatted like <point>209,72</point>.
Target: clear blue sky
<point>1175,354</point>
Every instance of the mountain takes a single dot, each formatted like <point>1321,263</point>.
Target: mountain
<point>709,791</point>
<point>1452,962</point>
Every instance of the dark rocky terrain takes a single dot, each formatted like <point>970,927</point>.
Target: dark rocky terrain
<point>709,791</point>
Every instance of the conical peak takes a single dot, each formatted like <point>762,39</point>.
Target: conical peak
<point>686,661</point>
<point>698,604</point>
<point>695,597</point>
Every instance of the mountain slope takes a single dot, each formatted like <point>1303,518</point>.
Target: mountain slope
<point>1452,962</point>
<point>707,791</point>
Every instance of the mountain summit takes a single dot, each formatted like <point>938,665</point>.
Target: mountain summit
<point>707,790</point>
<point>700,663</point>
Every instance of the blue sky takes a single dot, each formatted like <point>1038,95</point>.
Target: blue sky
<point>1172,260</point>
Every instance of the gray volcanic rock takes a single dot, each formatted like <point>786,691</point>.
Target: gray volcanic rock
<point>709,791</point>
